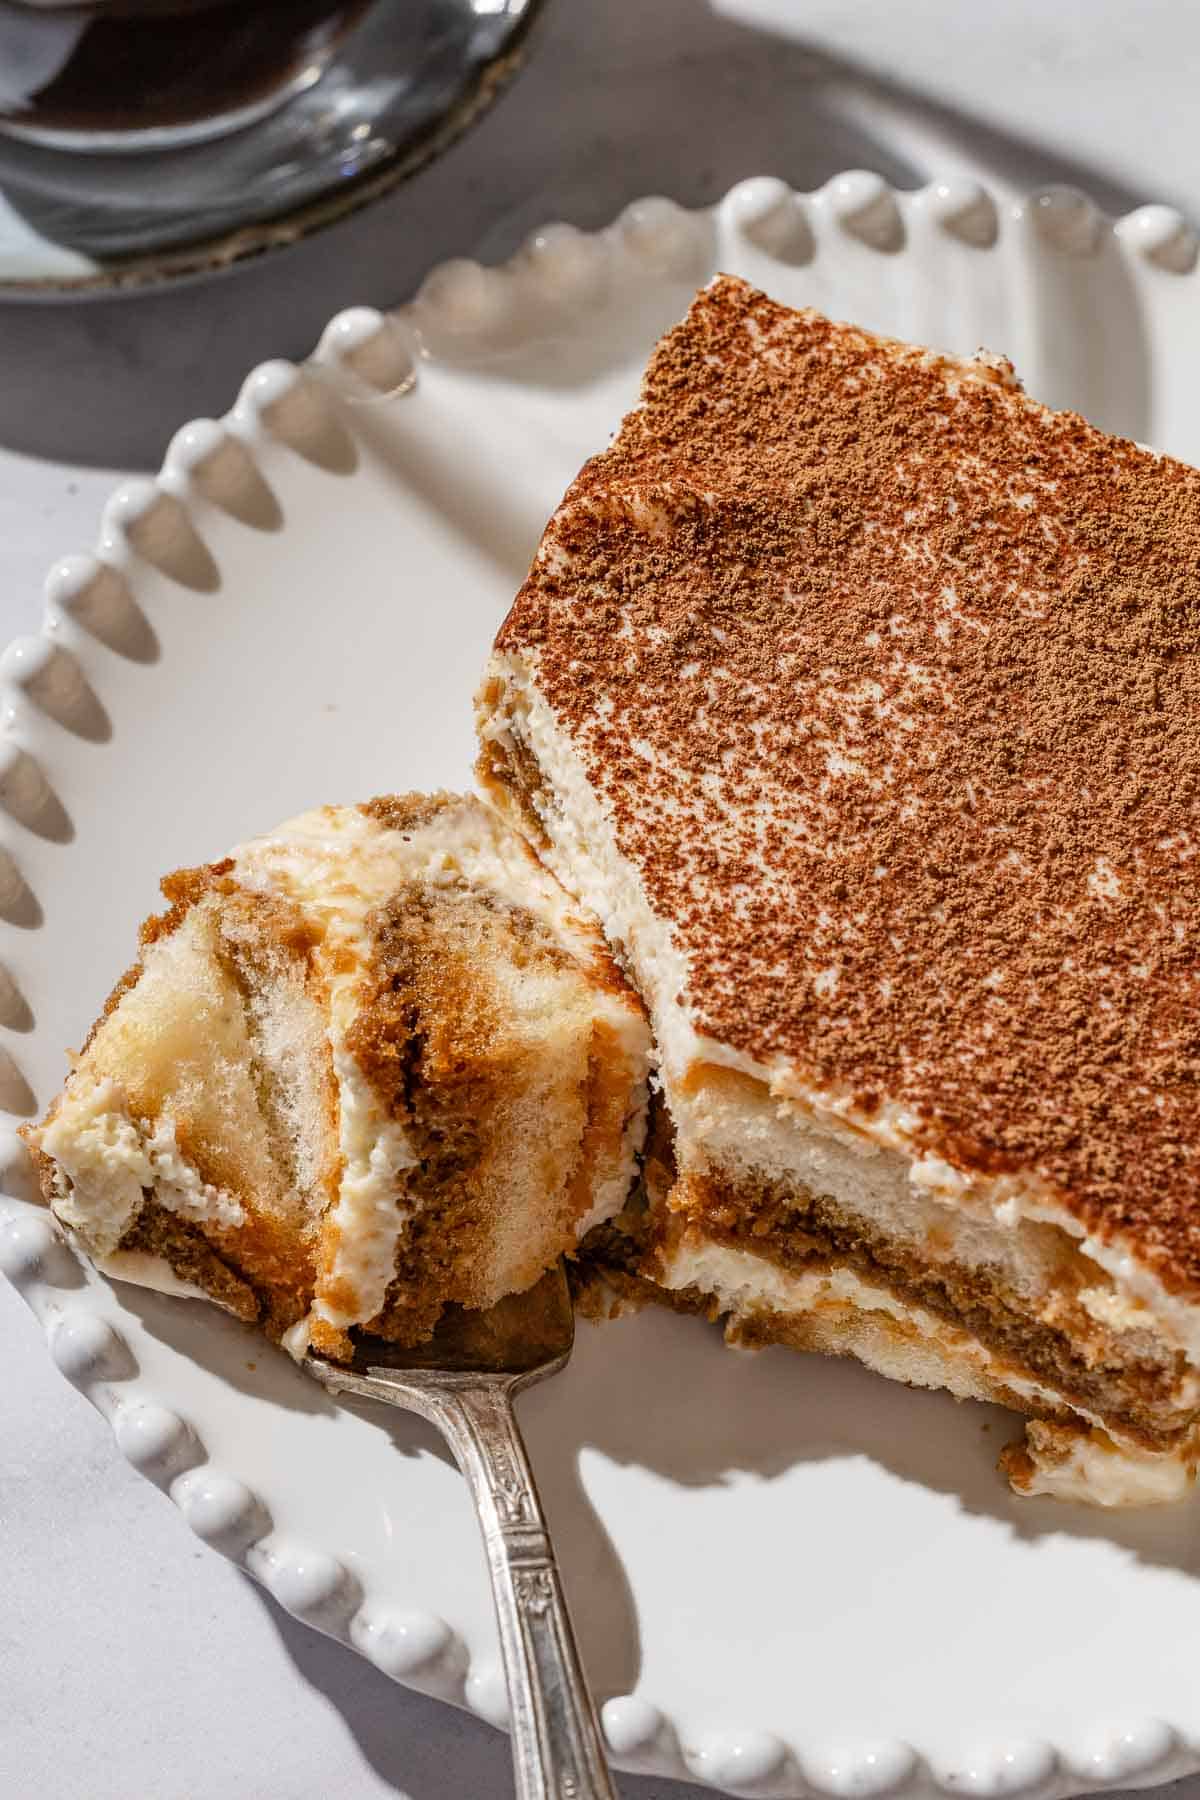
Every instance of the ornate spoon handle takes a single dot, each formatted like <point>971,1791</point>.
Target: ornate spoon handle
<point>558,1753</point>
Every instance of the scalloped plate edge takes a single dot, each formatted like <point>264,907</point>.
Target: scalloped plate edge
<point>363,356</point>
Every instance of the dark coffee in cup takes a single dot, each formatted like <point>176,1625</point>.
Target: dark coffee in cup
<point>128,74</point>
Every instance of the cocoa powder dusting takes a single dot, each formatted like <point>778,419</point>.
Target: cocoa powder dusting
<point>889,676</point>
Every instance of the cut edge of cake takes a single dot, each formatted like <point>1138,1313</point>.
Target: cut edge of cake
<point>801,1213</point>
<point>369,1065</point>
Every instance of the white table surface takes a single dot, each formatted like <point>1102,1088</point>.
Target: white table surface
<point>134,1664</point>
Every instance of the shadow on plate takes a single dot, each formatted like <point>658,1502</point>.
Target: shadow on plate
<point>498,509</point>
<point>238,1353</point>
<point>608,1625</point>
<point>662,1391</point>
<point>1092,353</point>
<point>486,510</point>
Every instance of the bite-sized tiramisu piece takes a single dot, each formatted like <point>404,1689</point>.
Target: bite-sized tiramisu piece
<point>859,696</point>
<point>372,1063</point>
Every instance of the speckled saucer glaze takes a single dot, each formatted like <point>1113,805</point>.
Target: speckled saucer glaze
<point>790,1577</point>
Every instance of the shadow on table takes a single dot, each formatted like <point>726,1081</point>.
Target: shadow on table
<point>671,96</point>
<point>426,1749</point>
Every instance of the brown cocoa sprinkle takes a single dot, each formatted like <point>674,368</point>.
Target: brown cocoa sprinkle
<point>890,678</point>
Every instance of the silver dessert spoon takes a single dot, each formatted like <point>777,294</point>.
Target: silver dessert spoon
<point>464,1381</point>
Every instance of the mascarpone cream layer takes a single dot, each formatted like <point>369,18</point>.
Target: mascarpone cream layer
<point>110,1161</point>
<point>1087,1467</point>
<point>339,863</point>
<point>584,854</point>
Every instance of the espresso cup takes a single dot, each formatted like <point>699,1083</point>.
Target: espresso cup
<point>155,74</point>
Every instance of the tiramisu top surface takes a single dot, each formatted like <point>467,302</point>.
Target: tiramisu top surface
<point>889,678</point>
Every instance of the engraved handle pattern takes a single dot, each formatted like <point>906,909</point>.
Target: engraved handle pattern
<point>557,1749</point>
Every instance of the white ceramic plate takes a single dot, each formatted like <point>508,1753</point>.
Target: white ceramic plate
<point>785,1571</point>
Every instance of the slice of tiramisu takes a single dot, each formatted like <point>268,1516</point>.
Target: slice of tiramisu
<point>859,696</point>
<point>371,1064</point>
